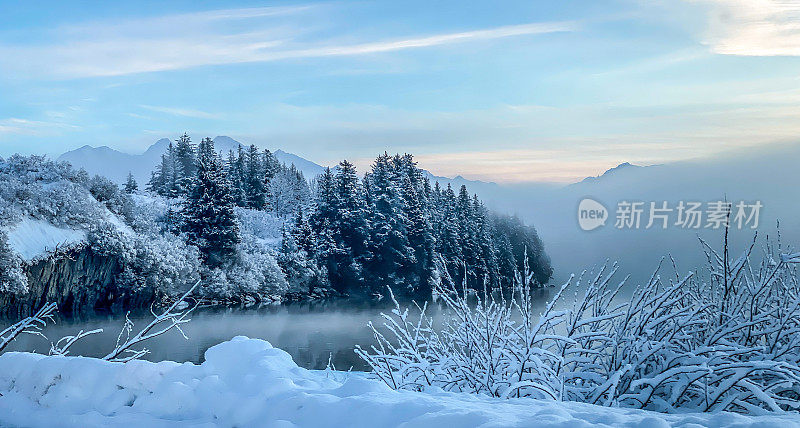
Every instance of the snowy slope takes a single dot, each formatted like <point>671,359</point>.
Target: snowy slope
<point>248,383</point>
<point>32,239</point>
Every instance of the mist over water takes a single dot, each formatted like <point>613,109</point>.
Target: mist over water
<point>311,332</point>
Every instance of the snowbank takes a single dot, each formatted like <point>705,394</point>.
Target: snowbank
<point>247,382</point>
<point>31,238</point>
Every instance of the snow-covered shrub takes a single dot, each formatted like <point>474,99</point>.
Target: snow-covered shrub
<point>264,226</point>
<point>725,340</point>
<point>114,198</point>
<point>255,272</point>
<point>12,277</point>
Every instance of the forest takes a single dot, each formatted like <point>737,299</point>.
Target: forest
<point>250,228</point>
<point>391,228</point>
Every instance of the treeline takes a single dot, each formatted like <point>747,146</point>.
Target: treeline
<point>257,180</point>
<point>392,228</point>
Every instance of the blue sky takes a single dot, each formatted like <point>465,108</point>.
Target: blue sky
<point>503,91</point>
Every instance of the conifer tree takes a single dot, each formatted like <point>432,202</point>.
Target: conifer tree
<point>209,218</point>
<point>254,180</point>
<point>270,167</point>
<point>184,165</point>
<point>130,184</point>
<point>391,259</point>
<point>235,174</point>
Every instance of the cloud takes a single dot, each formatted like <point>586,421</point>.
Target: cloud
<point>18,126</point>
<point>422,42</point>
<point>230,36</point>
<point>176,111</point>
<point>754,27</point>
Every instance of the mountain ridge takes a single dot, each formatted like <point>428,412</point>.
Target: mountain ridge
<point>116,165</point>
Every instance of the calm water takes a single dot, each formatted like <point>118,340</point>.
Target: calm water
<point>310,331</point>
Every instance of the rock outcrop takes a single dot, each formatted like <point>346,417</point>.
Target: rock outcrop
<point>77,280</point>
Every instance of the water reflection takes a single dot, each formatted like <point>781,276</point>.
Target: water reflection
<point>310,331</point>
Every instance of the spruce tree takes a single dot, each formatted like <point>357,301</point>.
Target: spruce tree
<point>420,237</point>
<point>235,177</point>
<point>130,184</point>
<point>254,180</point>
<point>391,258</point>
<point>185,165</point>
<point>303,234</point>
<point>270,167</point>
<point>162,180</point>
<point>209,217</point>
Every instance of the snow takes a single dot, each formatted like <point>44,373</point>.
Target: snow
<point>32,238</point>
<point>246,382</point>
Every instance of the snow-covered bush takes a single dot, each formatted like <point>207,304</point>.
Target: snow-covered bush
<point>12,277</point>
<point>255,272</point>
<point>264,226</point>
<point>725,340</point>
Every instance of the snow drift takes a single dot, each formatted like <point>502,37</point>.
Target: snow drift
<point>247,382</point>
<point>33,239</point>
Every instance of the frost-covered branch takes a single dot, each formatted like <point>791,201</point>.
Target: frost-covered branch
<point>29,325</point>
<point>727,338</point>
<point>61,347</point>
<point>171,318</point>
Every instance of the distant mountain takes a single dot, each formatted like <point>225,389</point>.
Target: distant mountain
<point>483,188</point>
<point>623,168</point>
<point>115,164</point>
<point>308,168</point>
<point>766,173</point>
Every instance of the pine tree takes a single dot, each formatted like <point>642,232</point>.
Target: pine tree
<point>130,184</point>
<point>209,217</point>
<point>235,177</point>
<point>303,234</point>
<point>448,243</point>
<point>420,236</point>
<point>270,167</point>
<point>163,179</point>
<point>184,165</point>
<point>392,259</point>
<point>393,228</point>
<point>254,180</point>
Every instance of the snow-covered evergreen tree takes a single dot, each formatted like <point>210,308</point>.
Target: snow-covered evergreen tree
<point>254,181</point>
<point>130,184</point>
<point>209,217</point>
<point>12,276</point>
<point>185,164</point>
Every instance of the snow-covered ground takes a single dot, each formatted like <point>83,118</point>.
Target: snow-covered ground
<point>246,382</point>
<point>32,238</point>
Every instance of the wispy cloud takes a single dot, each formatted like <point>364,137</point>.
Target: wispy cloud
<point>212,38</point>
<point>177,111</point>
<point>754,27</point>
<point>18,126</point>
<point>422,42</point>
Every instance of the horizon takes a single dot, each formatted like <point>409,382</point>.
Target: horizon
<point>362,166</point>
